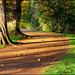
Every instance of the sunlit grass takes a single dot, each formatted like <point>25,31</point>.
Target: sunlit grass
<point>15,38</point>
<point>67,65</point>
<point>2,46</point>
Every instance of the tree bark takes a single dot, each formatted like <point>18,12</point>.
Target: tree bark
<point>4,37</point>
<point>18,16</point>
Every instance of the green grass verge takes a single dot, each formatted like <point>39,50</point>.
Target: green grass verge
<point>14,39</point>
<point>65,66</point>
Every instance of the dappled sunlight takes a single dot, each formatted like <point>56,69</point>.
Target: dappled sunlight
<point>27,62</point>
<point>36,52</point>
<point>29,44</point>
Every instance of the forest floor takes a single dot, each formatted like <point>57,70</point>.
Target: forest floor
<point>33,54</point>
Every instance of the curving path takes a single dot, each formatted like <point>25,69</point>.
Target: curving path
<point>41,50</point>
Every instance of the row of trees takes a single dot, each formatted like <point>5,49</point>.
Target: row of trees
<point>46,15</point>
<point>51,15</point>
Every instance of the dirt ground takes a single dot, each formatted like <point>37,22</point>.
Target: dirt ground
<point>33,54</point>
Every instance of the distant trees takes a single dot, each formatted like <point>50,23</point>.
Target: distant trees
<point>60,13</point>
<point>55,15</point>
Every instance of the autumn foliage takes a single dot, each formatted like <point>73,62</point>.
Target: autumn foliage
<point>55,15</point>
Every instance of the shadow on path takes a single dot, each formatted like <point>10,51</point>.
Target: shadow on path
<point>47,52</point>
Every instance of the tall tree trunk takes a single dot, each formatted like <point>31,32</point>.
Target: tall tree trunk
<point>18,16</point>
<point>4,38</point>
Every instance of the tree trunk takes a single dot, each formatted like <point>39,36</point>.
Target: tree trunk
<point>18,16</point>
<point>4,38</point>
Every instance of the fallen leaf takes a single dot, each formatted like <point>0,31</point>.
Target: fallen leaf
<point>19,69</point>
<point>42,40</point>
<point>39,60</point>
<point>2,65</point>
<point>65,70</point>
<point>52,65</point>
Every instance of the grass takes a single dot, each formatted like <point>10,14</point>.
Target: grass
<point>14,39</point>
<point>2,46</point>
<point>65,66</point>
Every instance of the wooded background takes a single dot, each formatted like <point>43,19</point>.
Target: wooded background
<point>53,15</point>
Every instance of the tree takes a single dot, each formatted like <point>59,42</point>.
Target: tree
<point>15,8</point>
<point>18,16</point>
<point>4,38</point>
<point>18,10</point>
